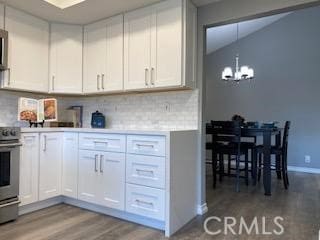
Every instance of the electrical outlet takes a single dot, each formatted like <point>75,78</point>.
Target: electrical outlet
<point>307,159</point>
<point>166,107</point>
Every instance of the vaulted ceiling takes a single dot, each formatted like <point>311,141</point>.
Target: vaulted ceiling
<point>221,36</point>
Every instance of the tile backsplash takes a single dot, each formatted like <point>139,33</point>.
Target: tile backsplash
<point>165,110</point>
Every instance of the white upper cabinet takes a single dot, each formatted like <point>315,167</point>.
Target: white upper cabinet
<point>103,56</point>
<point>66,58</point>
<point>155,46</point>
<point>166,44</point>
<point>28,52</point>
<point>151,48</point>
<point>137,48</point>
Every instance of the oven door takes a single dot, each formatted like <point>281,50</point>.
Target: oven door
<point>9,171</point>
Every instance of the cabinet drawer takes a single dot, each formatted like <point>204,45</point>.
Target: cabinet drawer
<point>102,142</point>
<point>146,170</point>
<point>146,145</point>
<point>145,201</point>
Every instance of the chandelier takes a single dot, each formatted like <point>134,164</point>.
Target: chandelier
<point>241,73</point>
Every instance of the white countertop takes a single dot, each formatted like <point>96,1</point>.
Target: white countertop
<point>110,131</point>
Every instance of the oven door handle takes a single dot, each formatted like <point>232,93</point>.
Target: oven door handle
<point>10,145</point>
<point>9,204</point>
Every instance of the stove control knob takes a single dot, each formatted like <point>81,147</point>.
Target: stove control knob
<point>5,133</point>
<point>13,133</point>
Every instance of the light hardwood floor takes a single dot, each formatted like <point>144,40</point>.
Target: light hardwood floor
<point>299,206</point>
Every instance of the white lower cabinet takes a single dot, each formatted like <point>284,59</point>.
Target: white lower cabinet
<point>145,201</point>
<point>29,168</point>
<point>145,170</point>
<point>146,178</point>
<point>70,165</point>
<point>112,180</point>
<point>102,178</point>
<point>88,176</point>
<point>50,165</point>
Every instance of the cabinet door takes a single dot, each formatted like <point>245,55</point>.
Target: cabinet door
<point>28,52</point>
<point>66,58</point>
<point>112,71</point>
<point>50,165</point>
<point>29,168</point>
<point>137,40</point>
<point>70,165</point>
<point>112,180</point>
<point>166,44</point>
<point>88,176</point>
<point>94,56</point>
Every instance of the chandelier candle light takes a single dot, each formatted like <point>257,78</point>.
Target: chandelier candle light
<point>241,73</point>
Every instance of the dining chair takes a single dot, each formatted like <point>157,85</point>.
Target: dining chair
<point>279,151</point>
<point>226,140</point>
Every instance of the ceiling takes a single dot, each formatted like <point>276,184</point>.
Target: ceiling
<point>84,12</point>
<point>219,37</point>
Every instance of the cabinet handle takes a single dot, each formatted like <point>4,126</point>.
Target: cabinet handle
<point>144,202</point>
<point>53,79</point>
<point>98,82</point>
<point>144,171</point>
<point>145,145</point>
<point>96,163</point>
<point>101,163</point>
<point>102,81</point>
<point>152,76</point>
<point>146,76</point>
<point>44,143</point>
<point>9,76</point>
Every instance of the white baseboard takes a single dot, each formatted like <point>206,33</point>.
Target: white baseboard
<point>116,213</point>
<point>39,205</point>
<point>202,209</point>
<point>304,169</point>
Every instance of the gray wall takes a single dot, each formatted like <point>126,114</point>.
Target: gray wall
<point>286,58</point>
<point>216,13</point>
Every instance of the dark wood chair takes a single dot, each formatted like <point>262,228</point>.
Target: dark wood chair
<point>281,153</point>
<point>226,140</point>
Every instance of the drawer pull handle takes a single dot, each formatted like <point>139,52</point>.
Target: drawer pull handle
<point>144,202</point>
<point>100,142</point>
<point>145,145</point>
<point>145,171</point>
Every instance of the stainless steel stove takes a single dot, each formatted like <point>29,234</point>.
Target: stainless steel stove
<point>9,173</point>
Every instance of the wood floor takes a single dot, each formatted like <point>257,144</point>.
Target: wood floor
<point>299,206</point>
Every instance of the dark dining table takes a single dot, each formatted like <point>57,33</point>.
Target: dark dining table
<point>266,133</point>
